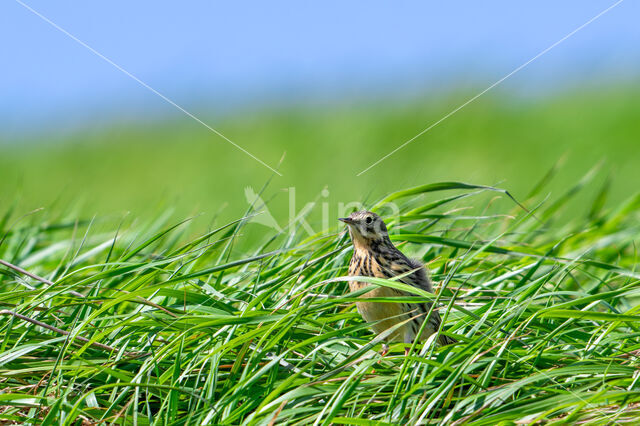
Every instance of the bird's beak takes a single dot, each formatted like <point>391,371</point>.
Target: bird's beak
<point>346,220</point>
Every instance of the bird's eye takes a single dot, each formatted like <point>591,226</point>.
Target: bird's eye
<point>368,219</point>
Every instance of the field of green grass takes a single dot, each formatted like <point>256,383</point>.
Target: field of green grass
<point>143,325</point>
<point>176,164</point>
<point>183,311</point>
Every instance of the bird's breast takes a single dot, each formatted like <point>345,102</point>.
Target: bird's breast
<point>381,315</point>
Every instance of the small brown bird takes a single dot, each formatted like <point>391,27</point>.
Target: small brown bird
<point>374,255</point>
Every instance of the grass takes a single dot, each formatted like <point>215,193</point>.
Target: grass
<point>143,323</point>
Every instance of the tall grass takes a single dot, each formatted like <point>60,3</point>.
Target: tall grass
<point>146,324</point>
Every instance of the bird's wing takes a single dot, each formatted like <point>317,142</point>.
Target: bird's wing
<point>416,273</point>
<point>419,277</point>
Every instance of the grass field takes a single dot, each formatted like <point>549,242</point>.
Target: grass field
<point>176,164</point>
<point>137,289</point>
<point>140,322</point>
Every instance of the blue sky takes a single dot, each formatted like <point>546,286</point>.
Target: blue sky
<point>221,55</point>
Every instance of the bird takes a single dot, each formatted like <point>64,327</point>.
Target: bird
<point>374,255</point>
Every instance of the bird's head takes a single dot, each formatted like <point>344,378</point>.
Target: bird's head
<point>365,227</point>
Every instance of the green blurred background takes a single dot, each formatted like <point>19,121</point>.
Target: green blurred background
<point>181,166</point>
